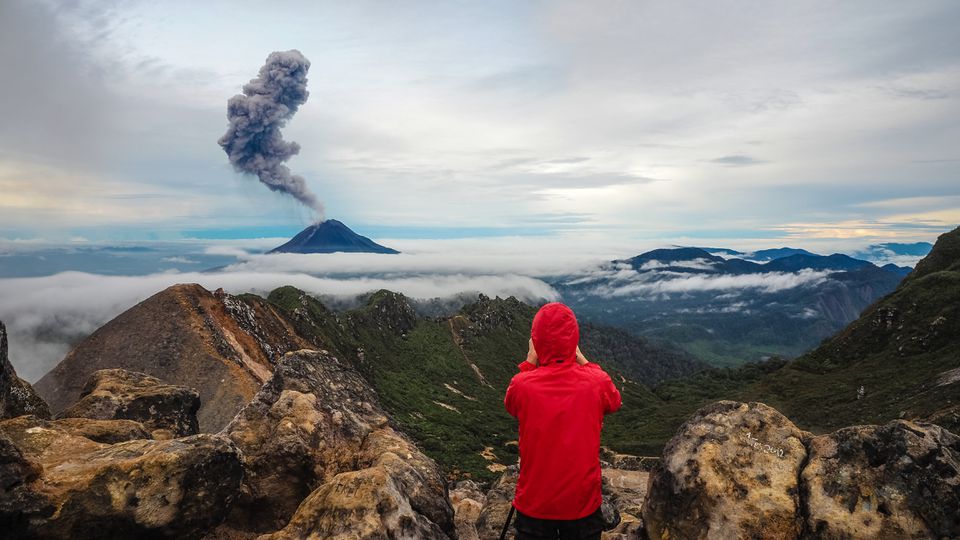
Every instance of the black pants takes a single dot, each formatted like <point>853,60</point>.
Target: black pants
<point>585,528</point>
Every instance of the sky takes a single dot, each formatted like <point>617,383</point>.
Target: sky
<point>494,143</point>
<point>748,124</point>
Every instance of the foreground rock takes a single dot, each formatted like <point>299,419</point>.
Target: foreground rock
<point>623,494</point>
<point>59,485</point>
<point>167,411</point>
<point>322,461</point>
<point>468,500</point>
<point>17,397</point>
<point>497,505</point>
<point>900,480</point>
<point>737,470</point>
<point>730,472</point>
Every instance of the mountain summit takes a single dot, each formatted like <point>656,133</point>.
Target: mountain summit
<point>330,236</point>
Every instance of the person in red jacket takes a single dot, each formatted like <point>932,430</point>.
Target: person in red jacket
<point>560,399</point>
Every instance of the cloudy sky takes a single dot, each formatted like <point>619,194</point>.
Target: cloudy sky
<point>747,123</point>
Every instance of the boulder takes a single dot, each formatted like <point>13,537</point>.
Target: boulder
<point>731,471</point>
<point>399,494</point>
<point>59,485</point>
<point>317,447</point>
<point>167,411</point>
<point>900,480</point>
<point>17,397</point>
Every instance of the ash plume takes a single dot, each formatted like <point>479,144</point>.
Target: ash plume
<point>254,142</point>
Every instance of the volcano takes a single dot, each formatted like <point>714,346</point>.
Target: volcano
<point>330,236</point>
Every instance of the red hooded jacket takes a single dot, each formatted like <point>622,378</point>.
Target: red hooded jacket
<point>560,406</point>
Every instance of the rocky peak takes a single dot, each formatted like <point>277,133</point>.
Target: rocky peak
<point>223,346</point>
<point>945,255</point>
<point>487,314</point>
<point>390,311</point>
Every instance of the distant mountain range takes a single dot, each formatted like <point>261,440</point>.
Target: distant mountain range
<point>331,236</point>
<point>899,359</point>
<point>727,310</point>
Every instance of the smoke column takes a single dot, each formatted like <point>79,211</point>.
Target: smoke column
<point>253,141</point>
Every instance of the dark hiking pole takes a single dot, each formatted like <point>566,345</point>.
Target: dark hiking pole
<point>506,524</point>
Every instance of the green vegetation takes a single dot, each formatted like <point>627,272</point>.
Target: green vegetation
<point>443,379</point>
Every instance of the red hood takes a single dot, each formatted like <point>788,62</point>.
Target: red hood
<point>555,334</point>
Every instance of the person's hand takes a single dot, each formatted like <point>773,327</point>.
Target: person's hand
<point>532,354</point>
<point>581,359</point>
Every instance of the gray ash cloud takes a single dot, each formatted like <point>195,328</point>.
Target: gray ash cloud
<point>253,141</point>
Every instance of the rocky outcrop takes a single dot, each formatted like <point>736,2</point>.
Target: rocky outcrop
<point>17,397</point>
<point>166,411</point>
<point>900,480</point>
<point>730,472</point>
<point>57,484</point>
<point>223,346</point>
<point>623,494</point>
<point>468,500</point>
<point>317,447</point>
<point>738,470</point>
<point>496,507</point>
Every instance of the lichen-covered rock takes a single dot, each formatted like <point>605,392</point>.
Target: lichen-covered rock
<point>497,506</point>
<point>165,410</point>
<point>17,397</point>
<point>315,429</point>
<point>730,472</point>
<point>398,495</point>
<point>897,481</point>
<point>625,490</point>
<point>103,431</point>
<point>17,473</point>
<point>58,485</point>
<point>467,499</point>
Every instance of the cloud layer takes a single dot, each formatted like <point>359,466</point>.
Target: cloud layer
<point>44,315</point>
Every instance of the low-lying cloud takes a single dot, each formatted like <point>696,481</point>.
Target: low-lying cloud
<point>655,284</point>
<point>45,316</point>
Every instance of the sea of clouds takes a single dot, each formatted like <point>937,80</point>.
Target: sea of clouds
<point>46,315</point>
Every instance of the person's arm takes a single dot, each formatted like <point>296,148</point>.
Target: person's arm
<point>532,360</point>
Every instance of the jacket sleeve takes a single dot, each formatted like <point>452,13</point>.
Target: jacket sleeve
<point>512,400</point>
<point>526,366</point>
<point>609,394</point>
